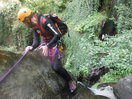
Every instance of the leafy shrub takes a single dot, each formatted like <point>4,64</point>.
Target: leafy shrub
<point>79,10</point>
<point>115,75</point>
<point>38,5</point>
<point>46,6</point>
<point>91,24</point>
<point>22,35</point>
<point>8,15</point>
<point>124,17</point>
<point>12,32</point>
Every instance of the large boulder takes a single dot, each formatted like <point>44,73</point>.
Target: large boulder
<point>33,78</point>
<point>123,89</point>
<point>96,73</point>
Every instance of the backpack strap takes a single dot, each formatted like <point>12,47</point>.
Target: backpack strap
<point>40,21</point>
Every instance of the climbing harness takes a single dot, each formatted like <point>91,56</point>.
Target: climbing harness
<point>12,68</point>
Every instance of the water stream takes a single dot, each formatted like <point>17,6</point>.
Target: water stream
<point>104,91</point>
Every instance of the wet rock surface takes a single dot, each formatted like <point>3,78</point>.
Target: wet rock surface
<point>96,73</point>
<point>123,89</point>
<point>33,78</point>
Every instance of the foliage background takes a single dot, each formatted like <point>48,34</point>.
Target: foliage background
<point>85,19</point>
<point>87,51</point>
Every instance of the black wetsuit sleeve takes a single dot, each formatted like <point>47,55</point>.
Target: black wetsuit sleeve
<point>51,28</point>
<point>53,41</point>
<point>36,40</point>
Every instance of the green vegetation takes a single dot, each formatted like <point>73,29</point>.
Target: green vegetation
<point>84,49</point>
<point>12,32</point>
<point>122,56</point>
<point>46,6</point>
<point>91,24</point>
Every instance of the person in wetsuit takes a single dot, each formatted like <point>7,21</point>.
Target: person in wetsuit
<point>43,26</point>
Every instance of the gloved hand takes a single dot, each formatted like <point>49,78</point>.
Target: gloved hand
<point>44,50</point>
<point>28,48</point>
